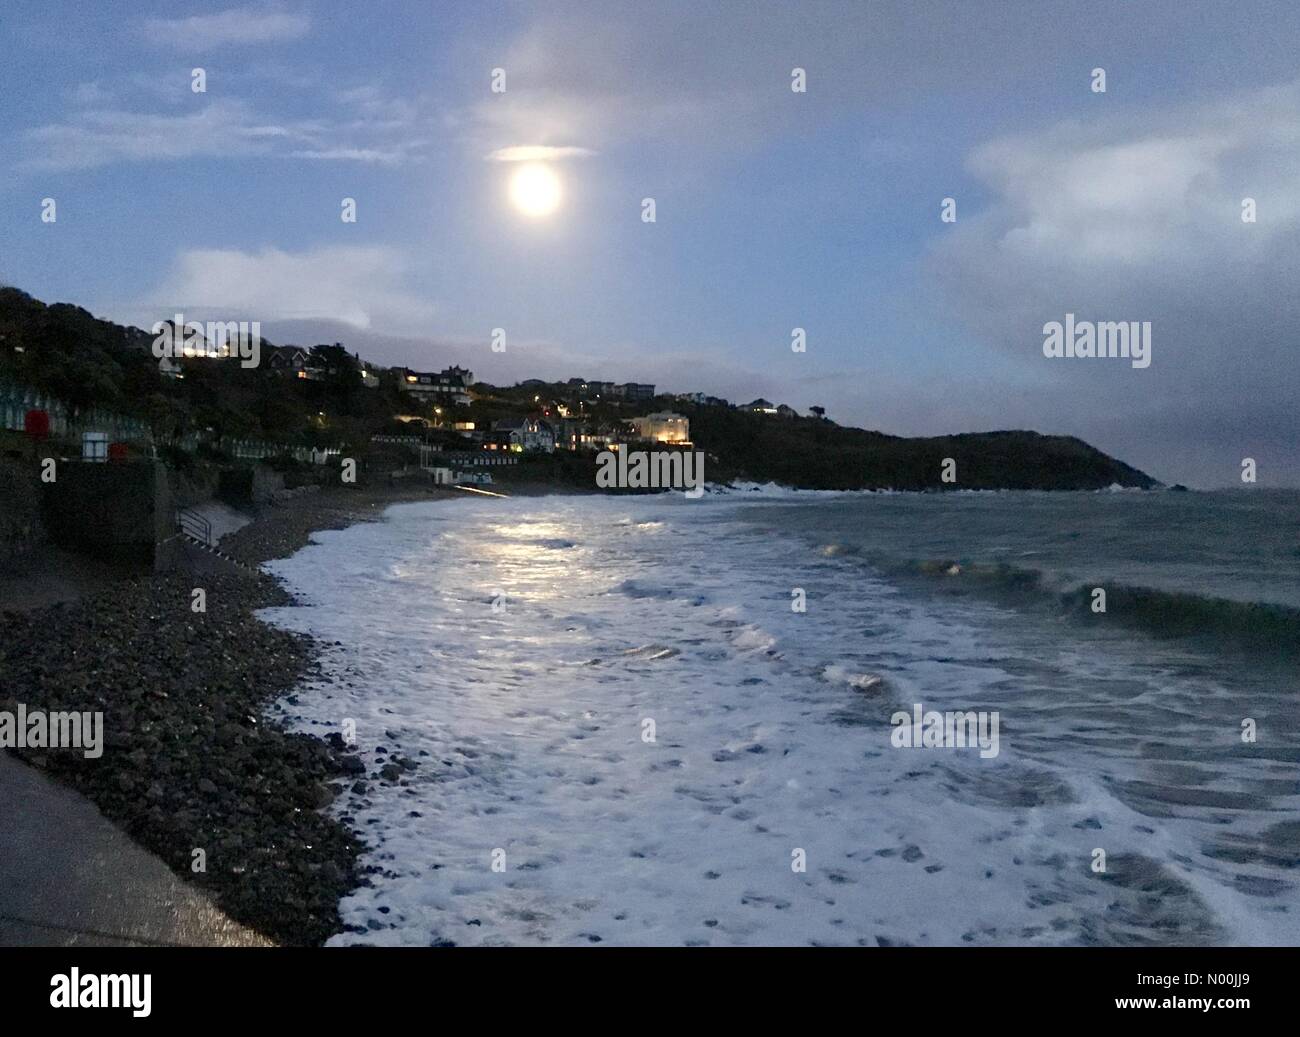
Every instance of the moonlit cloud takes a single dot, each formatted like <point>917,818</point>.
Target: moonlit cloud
<point>388,158</point>
<point>538,153</point>
<point>90,94</point>
<point>1138,217</point>
<point>221,129</point>
<point>238,25</point>
<point>87,139</point>
<point>357,285</point>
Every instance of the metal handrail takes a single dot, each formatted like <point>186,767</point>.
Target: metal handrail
<point>191,523</point>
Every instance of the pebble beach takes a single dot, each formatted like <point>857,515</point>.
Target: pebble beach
<point>191,761</point>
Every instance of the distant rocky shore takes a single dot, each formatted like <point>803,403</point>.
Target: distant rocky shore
<point>190,762</point>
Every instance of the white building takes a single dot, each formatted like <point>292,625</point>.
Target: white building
<point>663,427</point>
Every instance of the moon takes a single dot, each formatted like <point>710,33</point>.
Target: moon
<point>535,190</point>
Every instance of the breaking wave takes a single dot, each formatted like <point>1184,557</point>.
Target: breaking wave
<point>1257,625</point>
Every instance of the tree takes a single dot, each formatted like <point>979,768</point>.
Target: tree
<point>342,383</point>
<point>167,418</point>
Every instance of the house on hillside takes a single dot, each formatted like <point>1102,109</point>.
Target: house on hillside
<point>296,362</point>
<point>635,391</point>
<point>663,427</point>
<point>569,433</point>
<point>760,406</point>
<point>525,434</point>
<point>603,437</point>
<point>580,434</point>
<point>450,386</point>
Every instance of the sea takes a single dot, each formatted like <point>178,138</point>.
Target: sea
<point>651,720</point>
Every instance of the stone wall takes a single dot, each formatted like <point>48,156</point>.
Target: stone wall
<point>121,510</point>
<point>193,486</point>
<point>21,526</point>
<point>244,486</point>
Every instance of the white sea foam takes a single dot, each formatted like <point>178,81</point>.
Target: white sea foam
<point>776,491</point>
<point>771,736</point>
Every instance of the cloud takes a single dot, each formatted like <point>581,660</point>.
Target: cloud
<point>360,286</point>
<point>372,155</point>
<point>377,105</point>
<point>92,138</point>
<point>224,128</point>
<point>91,93</point>
<point>1138,217</point>
<point>640,79</point>
<point>238,25</point>
<point>538,153</point>
<point>714,79</point>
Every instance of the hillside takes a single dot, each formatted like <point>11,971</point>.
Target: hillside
<point>816,454</point>
<point>86,362</point>
<point>64,351</point>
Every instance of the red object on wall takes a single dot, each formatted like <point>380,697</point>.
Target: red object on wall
<point>36,423</point>
<point>116,452</point>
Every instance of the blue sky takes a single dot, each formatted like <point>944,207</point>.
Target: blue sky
<point>774,209</point>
